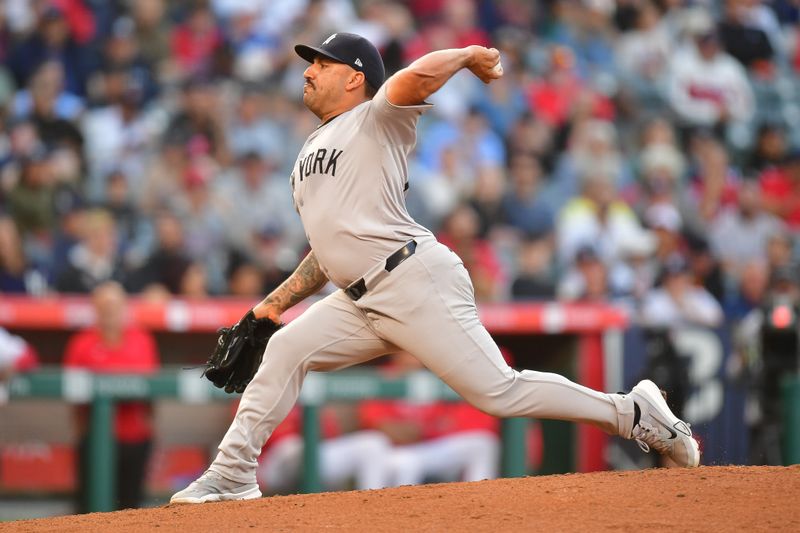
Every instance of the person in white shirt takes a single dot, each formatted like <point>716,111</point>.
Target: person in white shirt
<point>678,302</point>
<point>706,86</point>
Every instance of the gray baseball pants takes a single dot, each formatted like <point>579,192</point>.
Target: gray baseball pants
<point>424,306</point>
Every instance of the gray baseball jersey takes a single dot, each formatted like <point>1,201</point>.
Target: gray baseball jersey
<point>349,185</point>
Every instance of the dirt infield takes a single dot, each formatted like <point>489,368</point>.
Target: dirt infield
<point>704,499</point>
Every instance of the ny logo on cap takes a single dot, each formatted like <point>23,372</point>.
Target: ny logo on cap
<point>329,39</point>
<point>358,62</point>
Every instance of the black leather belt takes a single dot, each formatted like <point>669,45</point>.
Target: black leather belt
<point>359,288</point>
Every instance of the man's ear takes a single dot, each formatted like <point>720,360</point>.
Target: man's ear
<point>355,80</point>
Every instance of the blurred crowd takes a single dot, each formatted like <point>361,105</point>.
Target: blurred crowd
<point>645,152</point>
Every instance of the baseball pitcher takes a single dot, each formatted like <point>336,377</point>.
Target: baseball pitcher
<point>399,289</point>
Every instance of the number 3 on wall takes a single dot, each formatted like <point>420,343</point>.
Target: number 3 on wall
<point>704,349</point>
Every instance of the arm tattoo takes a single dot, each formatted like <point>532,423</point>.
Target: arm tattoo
<point>306,280</point>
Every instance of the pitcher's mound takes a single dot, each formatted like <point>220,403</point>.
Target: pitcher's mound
<point>701,499</point>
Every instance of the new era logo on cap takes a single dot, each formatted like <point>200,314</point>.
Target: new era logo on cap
<point>350,49</point>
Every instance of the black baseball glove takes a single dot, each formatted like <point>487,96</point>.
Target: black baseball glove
<point>239,351</point>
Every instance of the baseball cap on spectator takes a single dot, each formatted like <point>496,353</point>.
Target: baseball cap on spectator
<point>352,50</point>
<point>663,216</point>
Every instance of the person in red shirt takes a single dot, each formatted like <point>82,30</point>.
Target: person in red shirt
<point>446,441</point>
<point>115,346</point>
<point>780,189</point>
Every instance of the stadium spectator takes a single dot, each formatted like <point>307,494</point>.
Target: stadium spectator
<point>152,34</point>
<point>443,188</point>
<point>251,129</point>
<point>50,109</point>
<point>117,135</point>
<point>244,277</point>
<point>661,177</point>
<point>196,40</point>
<point>116,346</point>
<point>275,260</point>
<point>678,302</point>
<point>780,250</point>
<point>121,51</point>
<point>203,224</point>
<point>535,274</point>
<point>487,198</point>
<point>598,216</point>
<point>197,123</point>
<point>705,268</point>
<point>70,209</point>
<point>53,38</point>
<point>587,278</point>
<point>713,186</point>
<point>666,222</point>
<point>744,39</point>
<point>46,88</point>
<point>770,148</point>
<point>30,201</point>
<point>707,87</point>
<point>643,54</point>
<point>460,231</point>
<point>17,274</point>
<point>94,259</point>
<point>739,234</point>
<point>134,229</point>
<point>522,206</point>
<point>592,149</point>
<point>533,136</point>
<point>475,143</point>
<point>163,177</point>
<point>750,291</point>
<point>165,271</point>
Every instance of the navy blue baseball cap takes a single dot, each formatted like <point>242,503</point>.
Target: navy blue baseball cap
<point>352,50</point>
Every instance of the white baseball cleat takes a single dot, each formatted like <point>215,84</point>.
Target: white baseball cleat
<point>212,487</point>
<point>661,430</point>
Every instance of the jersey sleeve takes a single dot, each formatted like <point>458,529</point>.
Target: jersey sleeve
<point>393,124</point>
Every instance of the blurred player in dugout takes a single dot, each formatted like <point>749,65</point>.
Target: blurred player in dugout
<point>432,441</point>
<point>115,346</point>
<point>398,442</point>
